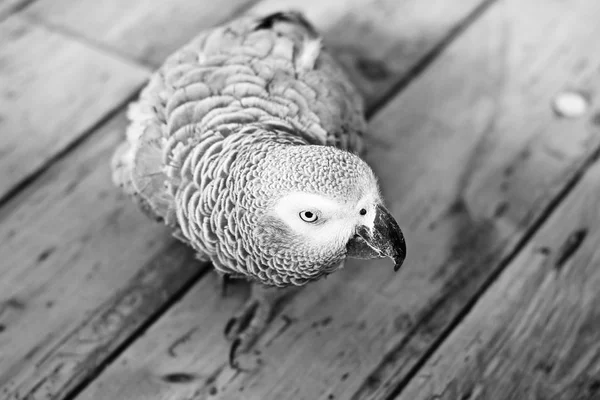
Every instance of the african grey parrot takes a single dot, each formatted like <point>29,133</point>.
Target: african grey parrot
<point>245,142</point>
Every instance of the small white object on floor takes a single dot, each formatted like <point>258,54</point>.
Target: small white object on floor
<point>570,104</point>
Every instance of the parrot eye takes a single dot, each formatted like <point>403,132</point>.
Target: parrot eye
<point>308,216</point>
<point>363,211</point>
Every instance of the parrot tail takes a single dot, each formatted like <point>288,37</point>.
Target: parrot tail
<point>308,46</point>
<point>288,16</point>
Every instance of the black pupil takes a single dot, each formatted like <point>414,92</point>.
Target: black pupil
<point>363,211</point>
<point>308,214</point>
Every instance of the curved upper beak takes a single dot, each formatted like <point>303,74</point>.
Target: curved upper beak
<point>385,239</point>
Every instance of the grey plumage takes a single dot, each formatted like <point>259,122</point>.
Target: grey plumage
<point>239,91</point>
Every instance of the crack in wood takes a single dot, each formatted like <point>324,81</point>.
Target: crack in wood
<point>570,247</point>
<point>458,253</point>
<point>179,377</point>
<point>181,340</point>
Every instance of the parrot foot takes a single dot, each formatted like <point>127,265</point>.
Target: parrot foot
<point>245,327</point>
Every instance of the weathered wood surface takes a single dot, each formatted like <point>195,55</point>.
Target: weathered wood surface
<point>147,30</point>
<point>68,291</point>
<point>79,273</point>
<point>470,156</point>
<point>383,43</point>
<point>52,89</point>
<point>379,42</point>
<point>535,334</point>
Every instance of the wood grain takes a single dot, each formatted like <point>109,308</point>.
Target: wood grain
<point>378,41</point>
<point>382,43</point>
<point>67,244</point>
<point>52,89</point>
<point>535,334</point>
<point>147,30</point>
<point>79,262</point>
<point>470,156</point>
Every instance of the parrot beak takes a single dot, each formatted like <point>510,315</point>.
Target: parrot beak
<point>384,240</point>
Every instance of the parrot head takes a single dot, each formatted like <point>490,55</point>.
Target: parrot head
<point>325,205</point>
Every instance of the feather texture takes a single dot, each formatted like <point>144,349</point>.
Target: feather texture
<point>217,124</point>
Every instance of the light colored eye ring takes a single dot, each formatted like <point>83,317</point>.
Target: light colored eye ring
<point>308,216</point>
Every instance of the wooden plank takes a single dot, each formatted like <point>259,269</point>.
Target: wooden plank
<point>469,156</point>
<point>52,89</point>
<point>45,364</point>
<point>376,59</point>
<point>147,30</point>
<point>382,43</point>
<point>67,243</point>
<point>535,334</point>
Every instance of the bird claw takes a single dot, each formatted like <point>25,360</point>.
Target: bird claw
<point>246,326</point>
<point>250,363</point>
<point>241,320</point>
<point>233,362</point>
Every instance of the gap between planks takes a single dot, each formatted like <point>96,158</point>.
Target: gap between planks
<point>512,255</point>
<point>429,57</point>
<point>140,29</point>
<point>29,11</point>
<point>8,7</point>
<point>372,109</point>
<point>517,154</point>
<point>38,17</point>
<point>30,178</point>
<point>534,332</point>
<point>431,40</point>
<point>53,89</point>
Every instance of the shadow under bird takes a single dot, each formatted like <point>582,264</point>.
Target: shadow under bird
<point>246,143</point>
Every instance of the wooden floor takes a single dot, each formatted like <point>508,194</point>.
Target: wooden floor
<point>497,191</point>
